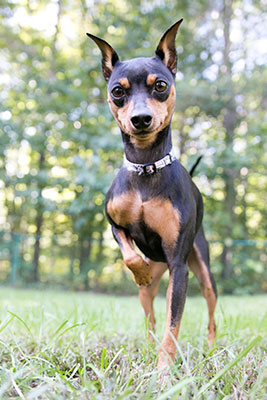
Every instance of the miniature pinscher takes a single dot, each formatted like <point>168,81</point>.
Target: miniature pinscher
<point>153,201</point>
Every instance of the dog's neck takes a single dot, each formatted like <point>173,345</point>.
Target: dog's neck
<point>157,150</point>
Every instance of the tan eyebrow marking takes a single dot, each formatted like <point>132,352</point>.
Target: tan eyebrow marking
<point>151,79</point>
<point>124,83</point>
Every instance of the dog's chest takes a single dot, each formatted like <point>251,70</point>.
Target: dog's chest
<point>157,213</point>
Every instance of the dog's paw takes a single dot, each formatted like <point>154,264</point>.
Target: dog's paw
<point>164,370</point>
<point>143,279</point>
<point>141,272</point>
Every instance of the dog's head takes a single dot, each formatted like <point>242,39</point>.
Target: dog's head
<point>141,91</point>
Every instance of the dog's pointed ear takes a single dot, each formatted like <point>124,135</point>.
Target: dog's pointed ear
<point>109,55</point>
<point>166,47</point>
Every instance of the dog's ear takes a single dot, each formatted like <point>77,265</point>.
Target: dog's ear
<point>109,55</point>
<point>166,47</point>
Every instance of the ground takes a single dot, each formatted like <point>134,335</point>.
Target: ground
<point>61,345</point>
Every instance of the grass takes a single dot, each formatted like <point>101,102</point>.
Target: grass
<point>60,345</point>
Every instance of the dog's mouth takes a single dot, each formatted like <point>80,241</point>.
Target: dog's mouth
<point>141,133</point>
<point>144,133</point>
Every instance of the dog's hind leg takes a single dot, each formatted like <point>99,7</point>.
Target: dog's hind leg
<point>198,261</point>
<point>147,294</point>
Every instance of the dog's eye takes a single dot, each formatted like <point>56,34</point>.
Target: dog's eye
<point>160,86</point>
<point>117,92</point>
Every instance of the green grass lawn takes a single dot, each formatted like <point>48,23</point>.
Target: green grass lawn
<point>60,345</point>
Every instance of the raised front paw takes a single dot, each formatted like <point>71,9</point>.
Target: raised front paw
<point>141,271</point>
<point>143,277</point>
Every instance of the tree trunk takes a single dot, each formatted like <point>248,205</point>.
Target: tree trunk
<point>229,123</point>
<point>85,252</point>
<point>100,247</point>
<point>38,224</point>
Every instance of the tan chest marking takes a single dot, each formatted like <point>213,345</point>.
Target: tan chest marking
<point>158,214</point>
<point>163,219</point>
<point>126,208</point>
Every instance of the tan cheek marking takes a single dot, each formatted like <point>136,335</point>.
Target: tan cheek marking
<point>151,79</point>
<point>124,115</point>
<point>114,109</point>
<point>159,111</point>
<point>124,83</point>
<point>171,99</point>
<point>163,219</point>
<point>162,112</point>
<point>125,209</point>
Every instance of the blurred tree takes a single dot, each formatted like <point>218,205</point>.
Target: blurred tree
<point>60,147</point>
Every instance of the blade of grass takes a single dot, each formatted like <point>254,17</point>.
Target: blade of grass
<point>6,324</point>
<point>103,357</point>
<point>22,321</point>
<point>8,381</point>
<point>58,330</point>
<point>180,352</point>
<point>114,359</point>
<point>69,328</point>
<point>98,373</point>
<point>229,365</point>
<point>176,388</point>
<point>17,389</point>
<point>208,357</point>
<point>194,389</point>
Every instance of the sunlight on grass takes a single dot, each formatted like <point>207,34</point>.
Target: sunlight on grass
<point>60,345</point>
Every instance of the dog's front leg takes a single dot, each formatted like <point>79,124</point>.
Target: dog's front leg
<point>139,267</point>
<point>176,295</point>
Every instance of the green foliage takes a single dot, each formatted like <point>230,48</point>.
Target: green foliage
<point>60,147</point>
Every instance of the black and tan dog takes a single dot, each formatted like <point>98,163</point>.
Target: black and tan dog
<point>153,201</point>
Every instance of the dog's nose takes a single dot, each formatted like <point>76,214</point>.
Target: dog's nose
<point>141,120</point>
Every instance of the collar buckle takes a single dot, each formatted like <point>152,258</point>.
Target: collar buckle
<point>150,169</point>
